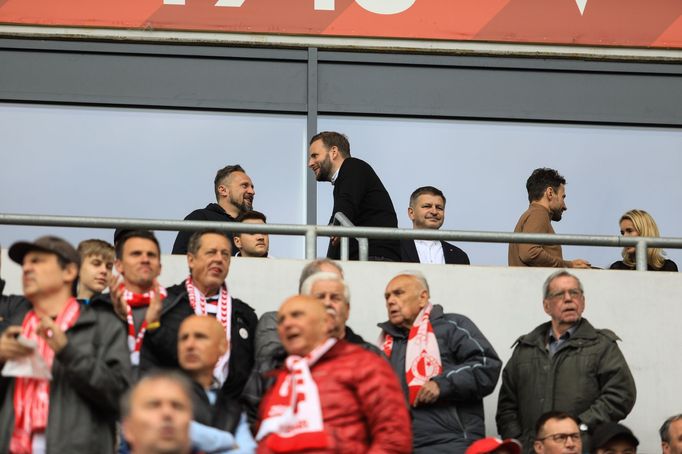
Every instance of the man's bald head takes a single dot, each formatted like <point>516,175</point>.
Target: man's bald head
<point>303,324</point>
<point>201,343</point>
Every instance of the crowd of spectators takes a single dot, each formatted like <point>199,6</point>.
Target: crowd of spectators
<point>97,356</point>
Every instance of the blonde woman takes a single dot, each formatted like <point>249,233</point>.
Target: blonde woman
<point>640,223</point>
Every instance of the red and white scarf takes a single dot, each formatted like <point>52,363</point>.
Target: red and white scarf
<point>134,300</point>
<point>32,395</point>
<point>292,415</point>
<point>422,356</point>
<point>224,315</point>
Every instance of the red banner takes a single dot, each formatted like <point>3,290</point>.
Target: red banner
<point>630,23</point>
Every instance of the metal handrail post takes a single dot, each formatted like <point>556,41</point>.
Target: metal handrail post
<point>344,248</point>
<point>641,255</point>
<point>311,243</point>
<point>363,243</point>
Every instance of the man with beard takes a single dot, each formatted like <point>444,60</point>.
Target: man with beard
<point>358,193</point>
<point>546,194</point>
<point>234,193</point>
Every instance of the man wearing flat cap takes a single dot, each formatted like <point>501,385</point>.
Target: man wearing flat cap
<point>64,364</point>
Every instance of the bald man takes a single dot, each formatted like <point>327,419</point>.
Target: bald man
<point>445,365</point>
<point>201,344</point>
<point>347,398</point>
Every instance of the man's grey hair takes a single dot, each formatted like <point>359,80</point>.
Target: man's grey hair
<point>665,428</point>
<point>417,275</point>
<point>315,267</point>
<point>160,374</point>
<point>556,275</point>
<point>324,276</point>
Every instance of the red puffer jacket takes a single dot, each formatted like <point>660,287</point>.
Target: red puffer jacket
<point>363,407</point>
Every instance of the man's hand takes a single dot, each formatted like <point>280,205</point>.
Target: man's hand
<point>116,295</point>
<point>56,338</point>
<point>580,263</point>
<point>428,394</point>
<point>10,348</point>
<point>153,314</point>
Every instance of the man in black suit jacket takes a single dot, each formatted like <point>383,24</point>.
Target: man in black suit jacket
<point>358,193</point>
<point>427,211</point>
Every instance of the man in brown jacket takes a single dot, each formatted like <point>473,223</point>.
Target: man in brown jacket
<point>546,194</point>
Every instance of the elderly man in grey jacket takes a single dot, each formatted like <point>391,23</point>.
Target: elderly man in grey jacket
<point>444,363</point>
<point>65,399</point>
<point>566,365</point>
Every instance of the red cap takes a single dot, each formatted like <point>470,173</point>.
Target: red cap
<point>490,444</point>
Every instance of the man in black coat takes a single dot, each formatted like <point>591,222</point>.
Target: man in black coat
<point>358,193</point>
<point>204,292</point>
<point>234,193</point>
<point>427,211</point>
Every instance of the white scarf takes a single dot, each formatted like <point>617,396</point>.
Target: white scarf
<point>292,415</point>
<point>422,355</point>
<point>224,315</point>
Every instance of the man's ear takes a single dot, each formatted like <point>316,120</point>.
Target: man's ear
<point>549,193</point>
<point>222,190</point>
<point>410,213</point>
<point>70,272</point>
<point>238,242</point>
<point>545,305</point>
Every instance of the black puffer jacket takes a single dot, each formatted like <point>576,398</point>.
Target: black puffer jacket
<point>160,346</point>
<point>470,372</point>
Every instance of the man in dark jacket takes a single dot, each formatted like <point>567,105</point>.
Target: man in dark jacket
<point>204,292</point>
<point>82,347</point>
<point>234,193</point>
<point>358,193</point>
<point>564,365</point>
<point>445,365</point>
<point>201,343</point>
<point>427,211</point>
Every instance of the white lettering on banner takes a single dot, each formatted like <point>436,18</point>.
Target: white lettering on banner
<point>386,6</point>
<point>230,3</point>
<point>373,6</point>
<point>581,5</point>
<point>324,5</point>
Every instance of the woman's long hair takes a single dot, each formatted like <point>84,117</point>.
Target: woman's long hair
<point>645,226</point>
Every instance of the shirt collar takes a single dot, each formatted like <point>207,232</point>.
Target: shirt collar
<point>335,176</point>
<point>567,335</point>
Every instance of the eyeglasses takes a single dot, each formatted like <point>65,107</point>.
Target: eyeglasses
<point>562,438</point>
<point>572,292</point>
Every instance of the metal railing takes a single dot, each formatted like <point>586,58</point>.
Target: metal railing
<point>311,232</point>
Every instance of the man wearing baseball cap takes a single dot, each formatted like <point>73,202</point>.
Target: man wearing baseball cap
<point>613,438</point>
<point>494,445</point>
<point>65,398</point>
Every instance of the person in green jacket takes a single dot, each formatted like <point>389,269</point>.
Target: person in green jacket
<point>565,364</point>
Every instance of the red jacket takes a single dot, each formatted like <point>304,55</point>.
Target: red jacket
<point>363,407</point>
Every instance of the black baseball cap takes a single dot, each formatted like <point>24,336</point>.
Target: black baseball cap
<point>606,432</point>
<point>51,244</point>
